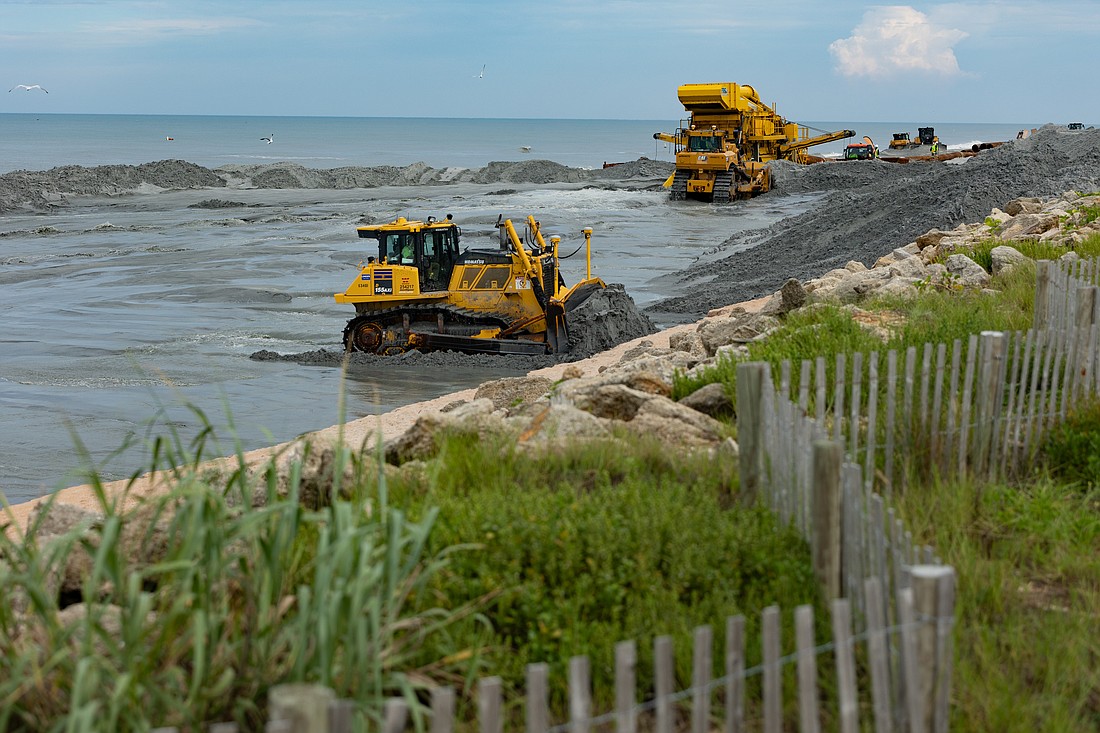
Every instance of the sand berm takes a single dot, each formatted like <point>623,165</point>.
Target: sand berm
<point>860,211</point>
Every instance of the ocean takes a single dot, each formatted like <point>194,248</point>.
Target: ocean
<point>129,317</point>
<point>41,142</point>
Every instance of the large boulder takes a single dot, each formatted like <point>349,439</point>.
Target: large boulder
<point>1005,258</point>
<point>424,438</point>
<point>512,391</point>
<point>967,272</point>
<point>710,399</point>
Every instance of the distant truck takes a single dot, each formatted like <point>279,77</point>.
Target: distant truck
<point>864,150</point>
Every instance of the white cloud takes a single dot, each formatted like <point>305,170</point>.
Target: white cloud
<point>896,39</point>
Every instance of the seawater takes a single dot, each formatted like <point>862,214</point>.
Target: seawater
<point>41,142</point>
<point>132,318</point>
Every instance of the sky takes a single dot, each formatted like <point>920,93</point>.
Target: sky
<point>996,62</point>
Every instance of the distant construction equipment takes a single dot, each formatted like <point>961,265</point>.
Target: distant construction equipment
<point>723,149</point>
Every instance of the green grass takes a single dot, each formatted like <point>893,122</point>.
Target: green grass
<point>1027,632</point>
<point>574,551</point>
<point>192,607</point>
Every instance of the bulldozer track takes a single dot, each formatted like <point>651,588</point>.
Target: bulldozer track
<point>678,191</point>
<point>722,183</point>
<point>422,314</point>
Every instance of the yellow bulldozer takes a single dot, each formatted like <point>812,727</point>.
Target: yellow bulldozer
<point>419,290</point>
<point>723,149</point>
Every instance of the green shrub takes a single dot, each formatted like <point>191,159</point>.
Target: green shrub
<point>580,548</point>
<point>1072,448</point>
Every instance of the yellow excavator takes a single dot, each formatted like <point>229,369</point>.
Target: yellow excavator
<point>419,290</point>
<point>723,149</point>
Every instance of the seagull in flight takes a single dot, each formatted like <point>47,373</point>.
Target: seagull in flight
<point>269,139</point>
<point>26,87</point>
<point>482,74</point>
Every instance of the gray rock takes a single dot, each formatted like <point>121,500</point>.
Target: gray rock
<point>1005,258</point>
<point>710,400</point>
<point>968,272</point>
<point>511,391</point>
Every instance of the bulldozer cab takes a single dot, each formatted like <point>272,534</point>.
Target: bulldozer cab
<point>705,142</point>
<point>431,247</point>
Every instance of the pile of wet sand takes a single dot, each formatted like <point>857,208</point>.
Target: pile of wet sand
<point>46,190</point>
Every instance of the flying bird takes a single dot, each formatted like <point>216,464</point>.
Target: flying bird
<point>525,148</point>
<point>26,87</point>
<point>482,74</point>
<point>270,139</point>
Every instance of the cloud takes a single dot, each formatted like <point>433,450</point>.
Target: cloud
<point>896,39</point>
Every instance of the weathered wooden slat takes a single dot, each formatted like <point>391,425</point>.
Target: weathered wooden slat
<point>925,379</point>
<point>825,545</point>
<point>936,428</point>
<point>838,398</point>
<point>489,703</point>
<point>914,707</point>
<point>907,396</point>
<point>537,712</point>
<point>626,682</point>
<point>804,387</point>
<point>702,664</point>
<point>877,659</point>
<point>854,410</point>
<point>443,709</point>
<point>872,419</point>
<point>580,695</point>
<point>819,389</point>
<point>964,418</point>
<point>750,427</point>
<point>663,682</point>
<point>1036,372</point>
<point>891,408</point>
<point>341,716</point>
<point>847,692</point>
<point>1042,290</point>
<point>735,674</point>
<point>808,714</point>
<point>1007,439</point>
<point>772,671</point>
<point>953,405</point>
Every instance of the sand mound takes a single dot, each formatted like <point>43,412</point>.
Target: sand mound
<point>42,190</point>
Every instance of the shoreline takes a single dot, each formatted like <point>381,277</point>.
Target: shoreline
<point>353,432</point>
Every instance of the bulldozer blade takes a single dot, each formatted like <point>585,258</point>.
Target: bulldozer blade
<point>557,333</point>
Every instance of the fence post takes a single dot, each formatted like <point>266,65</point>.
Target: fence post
<point>808,716</point>
<point>1083,320</point>
<point>580,695</point>
<point>538,697</point>
<point>663,676</point>
<point>1042,293</point>
<point>489,704</point>
<point>735,674</point>
<point>626,695</point>
<point>988,398</point>
<point>934,604</point>
<point>826,516</point>
<point>443,710</point>
<point>306,706</point>
<point>702,661</point>
<point>773,673</point>
<point>750,427</point>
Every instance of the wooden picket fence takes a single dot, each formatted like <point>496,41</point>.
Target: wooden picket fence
<point>707,704</point>
<point>827,458</point>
